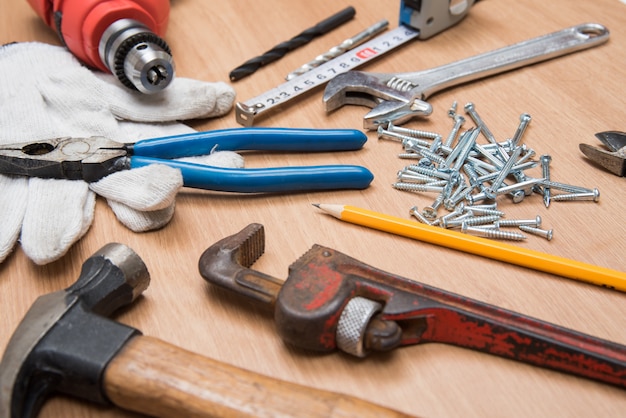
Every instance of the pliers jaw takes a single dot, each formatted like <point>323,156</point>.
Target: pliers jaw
<point>87,159</point>
<point>613,160</point>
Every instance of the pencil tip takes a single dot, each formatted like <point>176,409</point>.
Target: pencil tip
<point>317,205</point>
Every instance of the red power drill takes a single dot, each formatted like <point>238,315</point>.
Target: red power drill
<point>120,36</point>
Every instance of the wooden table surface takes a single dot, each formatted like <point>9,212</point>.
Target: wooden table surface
<point>569,98</point>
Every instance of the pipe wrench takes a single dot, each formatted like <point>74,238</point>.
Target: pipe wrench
<point>331,301</point>
<point>398,97</point>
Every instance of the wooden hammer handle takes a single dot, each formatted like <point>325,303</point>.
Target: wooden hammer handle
<point>156,378</point>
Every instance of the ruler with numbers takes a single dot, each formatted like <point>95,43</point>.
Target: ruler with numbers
<point>247,111</point>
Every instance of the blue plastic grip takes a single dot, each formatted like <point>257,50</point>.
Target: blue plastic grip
<point>254,138</point>
<point>266,180</point>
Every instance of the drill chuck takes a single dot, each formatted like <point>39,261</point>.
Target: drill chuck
<point>139,58</point>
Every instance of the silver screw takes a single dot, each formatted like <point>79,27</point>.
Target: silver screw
<point>410,156</point>
<point>497,163</point>
<point>385,134</point>
<point>503,190</point>
<point>445,222</point>
<point>483,211</point>
<point>416,133</point>
<point>492,233</point>
<point>506,170</point>
<point>407,177</point>
<point>470,109</point>
<point>433,156</point>
<point>545,170</point>
<point>431,211</point>
<point>518,222</point>
<point>546,233</point>
<point>523,124</point>
<point>428,171</point>
<point>415,213</point>
<point>566,187</point>
<point>458,122</point>
<point>592,195</point>
<point>452,110</point>
<point>475,220</point>
<point>416,187</point>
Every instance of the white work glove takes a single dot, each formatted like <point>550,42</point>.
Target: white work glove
<point>46,93</point>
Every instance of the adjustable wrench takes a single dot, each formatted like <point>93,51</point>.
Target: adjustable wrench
<point>331,301</point>
<point>399,97</point>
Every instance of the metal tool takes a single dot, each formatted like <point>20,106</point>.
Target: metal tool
<point>303,38</point>
<point>66,344</point>
<point>331,301</point>
<point>398,97</point>
<point>121,37</point>
<point>90,159</point>
<point>340,49</point>
<point>417,20</point>
<point>246,112</point>
<point>432,17</point>
<point>613,160</point>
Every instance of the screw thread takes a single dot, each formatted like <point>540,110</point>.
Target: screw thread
<point>593,195</point>
<point>545,233</point>
<point>415,133</point>
<point>475,220</point>
<point>517,222</point>
<point>492,233</point>
<point>428,171</point>
<point>417,187</point>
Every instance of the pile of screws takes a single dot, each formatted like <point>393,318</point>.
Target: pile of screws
<point>468,177</point>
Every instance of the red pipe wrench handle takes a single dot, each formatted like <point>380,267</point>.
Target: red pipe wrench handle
<point>323,282</point>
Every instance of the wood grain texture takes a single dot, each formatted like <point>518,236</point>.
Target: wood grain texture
<point>158,378</point>
<point>570,99</point>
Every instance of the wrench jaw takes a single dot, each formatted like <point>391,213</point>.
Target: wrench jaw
<point>353,88</point>
<point>376,91</point>
<point>226,264</point>
<point>396,112</point>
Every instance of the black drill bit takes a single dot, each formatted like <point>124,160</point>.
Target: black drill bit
<point>281,49</point>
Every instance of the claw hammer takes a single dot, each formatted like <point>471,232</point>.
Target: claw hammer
<point>331,301</point>
<point>66,344</point>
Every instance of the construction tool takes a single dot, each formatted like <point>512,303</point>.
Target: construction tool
<point>65,344</point>
<point>331,301</point>
<point>398,97</point>
<point>340,49</point>
<point>90,159</point>
<point>418,19</point>
<point>118,36</point>
<point>280,50</point>
<point>613,160</point>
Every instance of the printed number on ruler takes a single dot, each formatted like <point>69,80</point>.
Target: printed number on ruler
<point>246,111</point>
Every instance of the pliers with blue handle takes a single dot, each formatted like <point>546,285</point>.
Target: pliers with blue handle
<point>91,159</point>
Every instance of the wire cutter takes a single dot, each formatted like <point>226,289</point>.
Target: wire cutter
<point>613,160</point>
<point>91,159</point>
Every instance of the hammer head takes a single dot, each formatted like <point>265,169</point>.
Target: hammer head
<point>64,343</point>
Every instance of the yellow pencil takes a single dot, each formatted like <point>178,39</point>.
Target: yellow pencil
<point>480,246</point>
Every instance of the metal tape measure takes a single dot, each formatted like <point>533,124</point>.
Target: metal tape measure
<point>246,112</point>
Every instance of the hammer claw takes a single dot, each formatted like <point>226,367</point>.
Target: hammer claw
<point>65,345</point>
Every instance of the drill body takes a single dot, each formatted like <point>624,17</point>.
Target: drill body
<point>119,36</point>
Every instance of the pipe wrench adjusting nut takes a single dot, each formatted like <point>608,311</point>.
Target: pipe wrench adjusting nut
<point>353,323</point>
